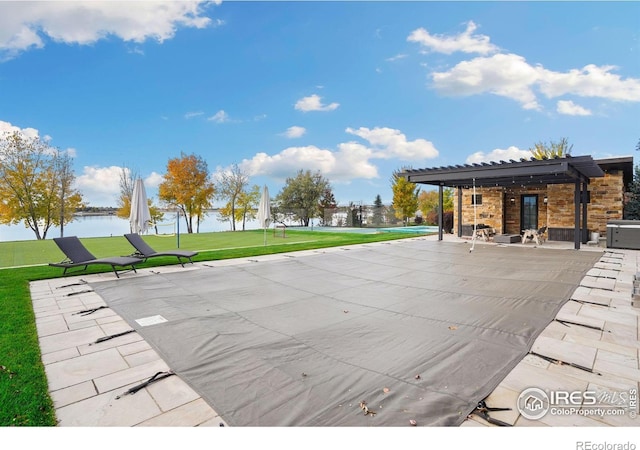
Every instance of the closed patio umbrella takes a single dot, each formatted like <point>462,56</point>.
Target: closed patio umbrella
<point>140,216</point>
<point>264,211</point>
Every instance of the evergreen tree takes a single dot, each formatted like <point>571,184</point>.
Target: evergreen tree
<point>632,208</point>
<point>378,211</point>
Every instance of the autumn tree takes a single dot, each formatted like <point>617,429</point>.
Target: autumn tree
<point>36,184</point>
<point>231,185</point>
<point>248,202</point>
<point>61,181</point>
<point>127,182</point>
<point>301,195</point>
<point>245,208</point>
<point>548,150</point>
<point>405,196</point>
<point>188,187</point>
<point>428,203</point>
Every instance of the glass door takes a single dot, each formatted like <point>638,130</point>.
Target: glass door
<point>529,212</point>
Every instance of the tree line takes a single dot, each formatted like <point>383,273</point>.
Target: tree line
<point>36,188</point>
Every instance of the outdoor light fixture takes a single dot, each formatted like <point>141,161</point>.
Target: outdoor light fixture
<point>513,199</point>
<point>545,199</point>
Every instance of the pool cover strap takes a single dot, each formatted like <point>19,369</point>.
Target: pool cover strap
<point>564,363</point>
<point>157,377</point>
<point>107,338</point>
<point>483,410</point>
<point>86,312</point>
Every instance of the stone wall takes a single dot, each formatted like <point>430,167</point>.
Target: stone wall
<point>488,213</point>
<point>606,203</point>
<point>500,212</point>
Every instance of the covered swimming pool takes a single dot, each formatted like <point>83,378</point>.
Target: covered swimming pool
<point>417,329</point>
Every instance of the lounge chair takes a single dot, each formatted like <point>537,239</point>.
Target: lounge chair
<point>77,255</point>
<point>144,251</point>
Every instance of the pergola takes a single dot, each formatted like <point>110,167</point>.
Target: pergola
<point>575,170</point>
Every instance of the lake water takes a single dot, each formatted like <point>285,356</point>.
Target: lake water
<point>101,226</point>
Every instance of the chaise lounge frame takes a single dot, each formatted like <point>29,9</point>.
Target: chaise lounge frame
<point>77,255</point>
<point>144,251</point>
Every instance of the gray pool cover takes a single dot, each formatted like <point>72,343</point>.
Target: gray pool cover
<point>418,329</point>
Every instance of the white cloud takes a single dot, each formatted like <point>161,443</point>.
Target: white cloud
<point>135,51</point>
<point>294,132</point>
<point>396,57</point>
<point>391,143</point>
<point>32,133</point>
<point>314,103</point>
<point>23,25</point>
<point>153,180</point>
<point>571,109</point>
<point>590,81</point>
<point>510,76</point>
<point>219,117</point>
<point>100,186</point>
<point>349,162</point>
<point>499,155</point>
<point>506,75</point>
<point>192,114</point>
<point>7,128</point>
<point>465,42</point>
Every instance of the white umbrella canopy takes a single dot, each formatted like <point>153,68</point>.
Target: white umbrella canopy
<point>264,211</point>
<point>140,216</point>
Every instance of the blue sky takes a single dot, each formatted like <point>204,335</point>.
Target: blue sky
<point>353,89</point>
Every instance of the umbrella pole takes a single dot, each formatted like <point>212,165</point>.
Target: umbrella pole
<point>265,236</point>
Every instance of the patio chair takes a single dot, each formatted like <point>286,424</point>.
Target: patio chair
<point>77,255</point>
<point>144,251</point>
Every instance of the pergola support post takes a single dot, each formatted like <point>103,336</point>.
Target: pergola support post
<point>585,232</point>
<point>440,208</point>
<point>459,212</point>
<point>576,201</point>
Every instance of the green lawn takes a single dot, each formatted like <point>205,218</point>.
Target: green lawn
<point>24,397</point>
<point>23,253</point>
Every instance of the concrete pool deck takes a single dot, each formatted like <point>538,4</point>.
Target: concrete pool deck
<point>88,382</point>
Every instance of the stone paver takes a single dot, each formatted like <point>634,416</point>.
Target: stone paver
<point>597,329</point>
<point>88,380</point>
<point>608,351</point>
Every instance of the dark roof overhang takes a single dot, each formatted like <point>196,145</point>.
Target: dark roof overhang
<point>526,172</point>
<point>623,163</point>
